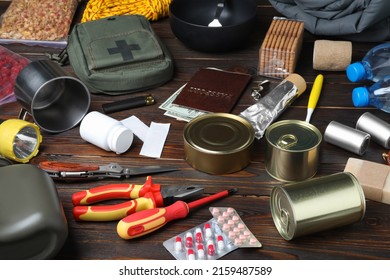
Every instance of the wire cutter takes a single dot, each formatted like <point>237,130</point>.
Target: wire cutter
<point>142,197</point>
<point>82,171</point>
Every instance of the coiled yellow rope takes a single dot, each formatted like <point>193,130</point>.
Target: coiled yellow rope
<point>151,9</point>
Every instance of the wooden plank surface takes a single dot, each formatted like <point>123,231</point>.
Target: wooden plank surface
<point>367,239</point>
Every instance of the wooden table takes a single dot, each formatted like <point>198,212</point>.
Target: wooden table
<point>367,239</point>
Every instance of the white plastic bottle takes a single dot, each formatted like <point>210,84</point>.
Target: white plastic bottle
<point>106,132</point>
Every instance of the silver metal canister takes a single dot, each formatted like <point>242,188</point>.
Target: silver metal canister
<point>317,204</point>
<point>346,137</point>
<point>376,127</point>
<point>292,150</point>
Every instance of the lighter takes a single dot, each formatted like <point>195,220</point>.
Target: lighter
<point>128,104</point>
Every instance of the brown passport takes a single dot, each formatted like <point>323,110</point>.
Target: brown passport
<point>213,90</point>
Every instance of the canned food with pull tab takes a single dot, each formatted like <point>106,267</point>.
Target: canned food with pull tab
<point>218,143</point>
<point>318,204</point>
<point>292,150</point>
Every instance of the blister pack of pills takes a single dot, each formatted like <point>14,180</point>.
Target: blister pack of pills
<point>203,242</point>
<point>233,227</point>
<point>213,239</point>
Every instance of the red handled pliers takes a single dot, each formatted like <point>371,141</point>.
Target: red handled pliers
<point>142,197</point>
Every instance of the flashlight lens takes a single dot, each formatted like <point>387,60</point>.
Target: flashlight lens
<point>25,142</point>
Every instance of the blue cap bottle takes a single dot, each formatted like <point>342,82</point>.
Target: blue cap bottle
<point>377,95</point>
<point>360,97</point>
<point>356,72</point>
<point>374,66</point>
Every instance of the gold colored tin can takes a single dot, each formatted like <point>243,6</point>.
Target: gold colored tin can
<point>317,204</point>
<point>292,150</point>
<point>218,143</point>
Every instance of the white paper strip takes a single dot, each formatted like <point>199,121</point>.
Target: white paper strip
<point>155,140</point>
<point>136,126</point>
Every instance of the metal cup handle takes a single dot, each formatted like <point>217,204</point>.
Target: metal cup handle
<point>23,114</point>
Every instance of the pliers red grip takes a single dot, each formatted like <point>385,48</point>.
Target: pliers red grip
<point>142,197</point>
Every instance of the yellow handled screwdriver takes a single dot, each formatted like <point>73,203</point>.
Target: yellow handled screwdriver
<point>314,96</point>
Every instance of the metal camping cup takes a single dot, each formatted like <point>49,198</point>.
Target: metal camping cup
<point>317,204</point>
<point>57,102</point>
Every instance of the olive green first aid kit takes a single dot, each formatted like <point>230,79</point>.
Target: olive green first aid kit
<point>118,55</point>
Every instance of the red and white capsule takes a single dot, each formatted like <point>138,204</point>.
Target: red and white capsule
<point>178,244</point>
<point>207,231</point>
<point>210,248</point>
<point>190,254</point>
<point>220,243</point>
<point>198,235</point>
<point>200,250</point>
<point>189,240</point>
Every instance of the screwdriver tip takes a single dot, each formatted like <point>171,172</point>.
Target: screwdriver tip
<point>231,191</point>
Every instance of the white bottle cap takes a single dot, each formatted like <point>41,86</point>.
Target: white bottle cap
<point>120,139</point>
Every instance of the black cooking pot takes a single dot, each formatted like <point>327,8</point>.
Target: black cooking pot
<point>189,21</point>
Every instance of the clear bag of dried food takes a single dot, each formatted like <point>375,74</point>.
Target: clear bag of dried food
<point>38,22</point>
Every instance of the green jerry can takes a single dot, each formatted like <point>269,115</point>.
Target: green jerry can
<point>32,221</point>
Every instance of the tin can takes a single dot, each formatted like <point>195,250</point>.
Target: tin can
<point>346,137</point>
<point>317,204</point>
<point>218,143</point>
<point>376,127</point>
<point>292,150</point>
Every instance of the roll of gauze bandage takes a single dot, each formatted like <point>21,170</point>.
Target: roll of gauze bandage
<point>332,55</point>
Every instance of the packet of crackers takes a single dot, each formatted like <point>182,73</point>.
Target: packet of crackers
<point>280,50</point>
<point>38,22</point>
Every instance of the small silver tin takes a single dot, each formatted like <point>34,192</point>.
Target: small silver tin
<point>346,137</point>
<point>376,127</point>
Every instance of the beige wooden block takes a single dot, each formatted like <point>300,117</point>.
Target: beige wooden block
<point>373,177</point>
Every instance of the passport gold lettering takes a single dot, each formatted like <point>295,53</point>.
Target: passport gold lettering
<point>211,93</point>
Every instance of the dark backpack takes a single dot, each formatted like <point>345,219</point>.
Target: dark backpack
<point>353,20</point>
